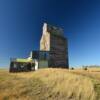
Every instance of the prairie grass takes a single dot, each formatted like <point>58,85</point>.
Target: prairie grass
<point>48,84</point>
<point>94,75</point>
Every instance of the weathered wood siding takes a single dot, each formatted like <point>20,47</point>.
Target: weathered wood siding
<point>58,51</point>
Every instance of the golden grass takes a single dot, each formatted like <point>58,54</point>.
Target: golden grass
<point>48,84</point>
<point>67,85</point>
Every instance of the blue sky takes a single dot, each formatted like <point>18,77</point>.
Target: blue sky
<point>21,24</point>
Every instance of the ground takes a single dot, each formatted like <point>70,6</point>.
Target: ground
<point>51,84</point>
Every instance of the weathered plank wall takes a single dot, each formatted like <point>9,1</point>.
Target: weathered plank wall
<point>58,49</point>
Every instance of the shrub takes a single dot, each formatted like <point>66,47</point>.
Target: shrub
<point>72,68</point>
<point>85,68</point>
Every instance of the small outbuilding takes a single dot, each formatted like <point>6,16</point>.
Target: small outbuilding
<point>20,65</point>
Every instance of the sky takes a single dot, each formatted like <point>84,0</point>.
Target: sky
<point>21,23</point>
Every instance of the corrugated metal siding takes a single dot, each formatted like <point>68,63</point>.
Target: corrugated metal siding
<point>43,64</point>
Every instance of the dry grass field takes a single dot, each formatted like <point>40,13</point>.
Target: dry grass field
<point>51,84</point>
